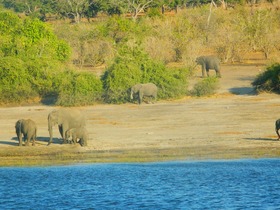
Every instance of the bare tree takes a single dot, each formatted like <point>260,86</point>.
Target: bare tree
<point>138,6</point>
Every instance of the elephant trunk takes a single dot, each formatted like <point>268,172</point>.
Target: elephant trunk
<point>131,94</point>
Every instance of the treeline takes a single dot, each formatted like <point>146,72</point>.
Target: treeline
<point>77,9</point>
<point>36,58</point>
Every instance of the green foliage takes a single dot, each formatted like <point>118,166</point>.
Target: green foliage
<point>133,66</point>
<point>154,12</point>
<point>205,87</point>
<point>79,89</point>
<point>30,59</point>
<point>30,38</point>
<point>269,80</point>
<point>15,82</point>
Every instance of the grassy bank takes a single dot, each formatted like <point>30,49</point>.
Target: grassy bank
<point>21,157</point>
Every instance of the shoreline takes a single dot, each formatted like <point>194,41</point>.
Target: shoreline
<point>62,157</point>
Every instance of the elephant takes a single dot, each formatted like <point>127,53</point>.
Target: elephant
<point>80,133</point>
<point>28,129</point>
<point>277,127</point>
<point>209,62</point>
<point>148,89</point>
<point>65,119</point>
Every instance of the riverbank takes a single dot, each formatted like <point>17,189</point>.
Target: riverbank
<point>235,123</point>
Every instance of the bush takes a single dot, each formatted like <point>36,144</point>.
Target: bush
<point>205,87</point>
<point>269,80</point>
<point>134,66</point>
<point>15,82</point>
<point>78,89</point>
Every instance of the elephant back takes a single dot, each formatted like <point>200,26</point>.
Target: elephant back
<point>73,117</point>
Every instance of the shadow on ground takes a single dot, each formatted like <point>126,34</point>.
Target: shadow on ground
<point>243,91</point>
<point>261,139</point>
<point>38,140</point>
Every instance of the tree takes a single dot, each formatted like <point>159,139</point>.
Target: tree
<point>138,6</point>
<point>74,9</point>
<point>32,8</point>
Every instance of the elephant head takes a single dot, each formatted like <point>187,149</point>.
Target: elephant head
<point>134,90</point>
<point>65,119</point>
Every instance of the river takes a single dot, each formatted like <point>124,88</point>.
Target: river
<point>235,184</point>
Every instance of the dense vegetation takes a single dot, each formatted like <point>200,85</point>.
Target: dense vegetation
<point>37,58</point>
<point>269,80</point>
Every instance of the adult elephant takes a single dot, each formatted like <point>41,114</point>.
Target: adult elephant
<point>28,129</point>
<point>65,119</point>
<point>148,89</point>
<point>207,63</point>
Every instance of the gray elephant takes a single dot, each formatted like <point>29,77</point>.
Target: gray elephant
<point>207,63</point>
<point>65,119</point>
<point>28,129</point>
<point>148,89</point>
<point>80,133</point>
<point>277,127</point>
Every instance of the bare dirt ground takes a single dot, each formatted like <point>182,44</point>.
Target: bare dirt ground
<point>234,123</point>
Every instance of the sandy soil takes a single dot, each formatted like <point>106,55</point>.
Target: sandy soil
<point>234,123</point>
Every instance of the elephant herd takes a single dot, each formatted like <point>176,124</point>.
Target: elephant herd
<point>71,125</point>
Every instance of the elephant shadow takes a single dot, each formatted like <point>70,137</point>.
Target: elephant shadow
<point>39,140</point>
<point>243,91</point>
<point>261,139</point>
<point>9,143</point>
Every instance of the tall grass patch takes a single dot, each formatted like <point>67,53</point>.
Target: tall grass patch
<point>206,87</point>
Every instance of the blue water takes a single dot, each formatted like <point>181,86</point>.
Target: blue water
<point>245,184</point>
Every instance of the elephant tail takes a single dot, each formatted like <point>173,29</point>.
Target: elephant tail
<point>18,125</point>
<point>35,133</point>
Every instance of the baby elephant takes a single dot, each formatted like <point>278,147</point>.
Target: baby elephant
<point>80,133</point>
<point>277,127</point>
<point>209,62</point>
<point>29,130</point>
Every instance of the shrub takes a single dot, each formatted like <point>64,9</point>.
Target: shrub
<point>79,89</point>
<point>205,87</point>
<point>269,80</point>
<point>134,66</point>
<point>15,81</point>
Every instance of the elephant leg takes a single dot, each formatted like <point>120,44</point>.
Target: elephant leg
<point>140,97</point>
<point>33,141</point>
<point>218,74</point>
<point>203,69</point>
<point>20,140</point>
<point>155,99</point>
<point>27,139</point>
<point>62,131</point>
<point>24,139</point>
<point>74,139</point>
<point>207,71</point>
<point>203,72</point>
<point>277,131</point>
